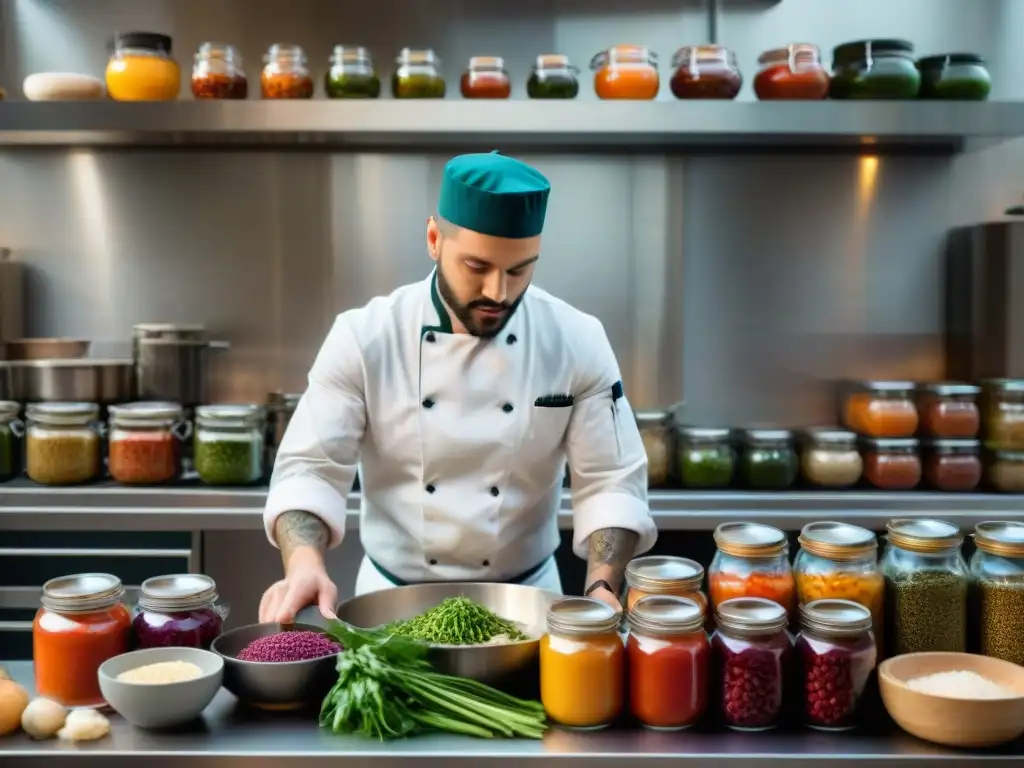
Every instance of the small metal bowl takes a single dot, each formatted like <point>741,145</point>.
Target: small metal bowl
<point>274,685</point>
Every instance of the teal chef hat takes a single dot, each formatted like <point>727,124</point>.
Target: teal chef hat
<point>494,195</point>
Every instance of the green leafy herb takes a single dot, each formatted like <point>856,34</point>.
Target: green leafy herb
<point>387,689</point>
<point>457,621</point>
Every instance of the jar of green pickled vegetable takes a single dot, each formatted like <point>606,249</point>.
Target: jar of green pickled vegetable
<point>875,69</point>
<point>351,75</point>
<point>769,460</point>
<point>955,77</point>
<point>418,75</point>
<point>11,430</point>
<point>553,77</point>
<point>706,458</point>
<point>228,444</point>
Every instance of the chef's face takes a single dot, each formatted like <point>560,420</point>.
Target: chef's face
<point>480,277</point>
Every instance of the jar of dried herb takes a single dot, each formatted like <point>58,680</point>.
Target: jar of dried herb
<point>62,443</point>
<point>997,573</point>
<point>228,444</point>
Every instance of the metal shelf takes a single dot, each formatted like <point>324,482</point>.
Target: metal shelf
<point>576,125</point>
<point>25,506</point>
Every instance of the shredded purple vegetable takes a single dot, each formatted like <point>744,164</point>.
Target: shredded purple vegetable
<point>289,646</point>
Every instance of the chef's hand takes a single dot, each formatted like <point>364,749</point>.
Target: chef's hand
<point>607,596</point>
<point>305,583</point>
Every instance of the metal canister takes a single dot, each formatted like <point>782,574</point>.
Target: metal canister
<point>280,408</point>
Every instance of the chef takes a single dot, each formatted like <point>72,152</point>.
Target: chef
<point>459,399</point>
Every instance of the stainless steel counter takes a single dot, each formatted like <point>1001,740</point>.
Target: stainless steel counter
<point>227,736</point>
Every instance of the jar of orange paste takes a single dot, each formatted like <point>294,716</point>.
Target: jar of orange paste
<point>141,68</point>
<point>626,72</point>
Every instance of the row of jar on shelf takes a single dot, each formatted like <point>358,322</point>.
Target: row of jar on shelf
<point>142,68</point>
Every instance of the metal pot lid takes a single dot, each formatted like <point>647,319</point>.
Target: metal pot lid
<point>58,414</point>
<point>82,592</point>
<point>145,411</point>
<point>666,615</point>
<point>70,362</point>
<point>582,616</point>
<point>659,573</point>
<point>837,541</point>
<point>998,537</point>
<point>177,592</point>
<point>164,329</point>
<point>750,539</point>
<point>836,618</point>
<point>923,534</point>
<point>754,615</point>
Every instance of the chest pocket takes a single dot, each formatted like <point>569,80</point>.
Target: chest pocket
<point>549,422</point>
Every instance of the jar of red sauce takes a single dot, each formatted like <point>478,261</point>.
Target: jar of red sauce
<point>705,72</point>
<point>626,72</point>
<point>881,409</point>
<point>668,653</point>
<point>953,465</point>
<point>892,464</point>
<point>486,78</point>
<point>793,72</point>
<point>949,410</point>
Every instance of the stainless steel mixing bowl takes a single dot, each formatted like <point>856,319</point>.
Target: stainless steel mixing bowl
<point>274,685</point>
<point>493,664</point>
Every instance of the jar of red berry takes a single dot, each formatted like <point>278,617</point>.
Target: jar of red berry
<point>837,653</point>
<point>752,652</point>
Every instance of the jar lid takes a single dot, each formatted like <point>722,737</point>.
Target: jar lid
<point>837,618</point>
<point>872,47</point>
<point>352,54</point>
<point>662,573</point>
<point>228,414</point>
<point>891,443</point>
<point>179,592</point>
<point>283,401</point>
<point>624,54</point>
<point>1007,386</point>
<point>9,408</point>
<point>837,541</point>
<point>168,330</point>
<point>767,436</point>
<point>650,418</point>
<point>949,388</point>
<point>417,56</point>
<point>793,50</point>
<point>1009,455</point>
<point>702,53</point>
<point>215,50</point>
<point>1000,538</point>
<point>945,59</point>
<point>144,414</point>
<point>705,434</point>
<point>832,437</point>
<point>750,540</point>
<point>751,615</point>
<point>666,615</point>
<point>82,593</point>
<point>886,387</point>
<point>486,62</point>
<point>62,414</point>
<point>923,535</point>
<point>148,41</point>
<point>582,616</point>
<point>955,445</point>
<point>552,61</point>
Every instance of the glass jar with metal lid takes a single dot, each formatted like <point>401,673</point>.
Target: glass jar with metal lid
<point>664,575</point>
<point>836,654</point>
<point>82,623</point>
<point>286,73</point>
<point>626,72</point>
<point>668,653</point>
<point>997,573</point>
<point>1002,414</point>
<point>553,77</point>
<point>418,75</point>
<point>948,410</point>
<point>62,444</point>
<point>839,561</point>
<point>658,435</point>
<point>351,74</point>
<point>582,664</point>
<point>228,444</point>
<point>926,586</point>
<point>830,459</point>
<point>793,72</point>
<point>892,463</point>
<point>955,77</point>
<point>769,461</point>
<point>179,610</point>
<point>11,432</point>
<point>705,72</point>
<point>1005,471</point>
<point>706,457</point>
<point>881,409</point>
<point>953,465</point>
<point>145,442</point>
<point>219,73</point>
<point>752,561</point>
<point>874,69</point>
<point>485,78</point>
<point>752,656</point>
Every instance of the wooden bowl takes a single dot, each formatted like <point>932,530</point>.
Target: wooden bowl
<point>954,722</point>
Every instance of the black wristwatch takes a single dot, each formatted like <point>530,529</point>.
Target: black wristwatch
<point>596,584</point>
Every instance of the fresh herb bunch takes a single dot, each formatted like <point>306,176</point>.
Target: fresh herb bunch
<point>457,621</point>
<point>388,690</point>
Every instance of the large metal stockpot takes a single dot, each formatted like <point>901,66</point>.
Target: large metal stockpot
<point>82,380</point>
<point>172,362</point>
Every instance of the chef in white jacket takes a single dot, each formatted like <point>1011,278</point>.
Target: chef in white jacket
<point>460,398</point>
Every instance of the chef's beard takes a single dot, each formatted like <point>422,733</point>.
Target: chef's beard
<point>486,327</point>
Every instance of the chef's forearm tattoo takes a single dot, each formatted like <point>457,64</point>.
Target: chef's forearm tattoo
<point>296,529</point>
<point>611,549</point>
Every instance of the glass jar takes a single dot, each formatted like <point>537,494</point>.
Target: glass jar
<point>875,69</point>
<point>553,77</point>
<point>769,460</point>
<point>626,72</point>
<point>997,573</point>
<point>705,72</point>
<point>286,73</point>
<point>881,409</point>
<point>926,583</point>
<point>11,431</point>
<point>418,75</point>
<point>839,561</point>
<point>141,68</point>
<point>180,610</point>
<point>793,72</point>
<point>582,664</point>
<point>485,78</point>
<point>752,560</point>
<point>892,464</point>
<point>351,74</point>
<point>836,654</point>
<point>228,444</point>
<point>955,77</point>
<point>949,411</point>
<point>669,655</point>
<point>145,442</point>
<point>953,465</point>
<point>706,458</point>
<point>1002,409</point>
<point>752,654</point>
<point>218,73</point>
<point>1005,472</point>
<point>664,575</point>
<point>82,623</point>
<point>62,446</point>
<point>830,458</point>
<point>280,409</point>
<point>658,435</point>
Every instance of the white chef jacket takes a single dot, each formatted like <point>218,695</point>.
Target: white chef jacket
<point>461,442</point>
